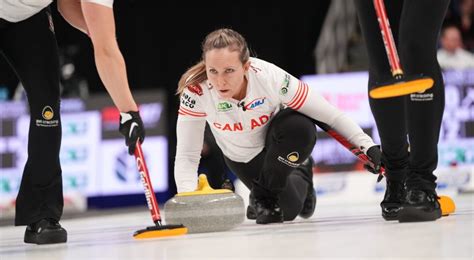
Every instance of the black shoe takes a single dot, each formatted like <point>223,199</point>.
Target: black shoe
<point>251,214</point>
<point>420,205</point>
<point>228,185</point>
<point>392,200</point>
<point>268,211</point>
<point>309,204</point>
<point>45,231</point>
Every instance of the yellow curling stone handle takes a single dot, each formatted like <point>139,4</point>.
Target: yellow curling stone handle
<point>203,188</point>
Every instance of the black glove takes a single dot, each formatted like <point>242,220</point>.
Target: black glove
<point>375,156</point>
<point>131,126</point>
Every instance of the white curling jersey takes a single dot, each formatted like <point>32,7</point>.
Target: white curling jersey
<point>240,126</point>
<point>16,10</point>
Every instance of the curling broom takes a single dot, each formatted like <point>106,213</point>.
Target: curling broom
<point>158,230</point>
<point>400,85</point>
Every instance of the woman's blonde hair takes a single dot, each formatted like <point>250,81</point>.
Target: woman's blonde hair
<point>218,39</point>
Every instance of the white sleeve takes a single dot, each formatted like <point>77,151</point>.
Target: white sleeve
<point>317,107</point>
<point>296,95</point>
<point>190,139</point>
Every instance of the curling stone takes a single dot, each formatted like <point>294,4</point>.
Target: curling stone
<point>206,209</point>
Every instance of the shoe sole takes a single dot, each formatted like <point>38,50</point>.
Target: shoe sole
<point>45,238</point>
<point>390,217</point>
<point>417,214</point>
<point>269,220</point>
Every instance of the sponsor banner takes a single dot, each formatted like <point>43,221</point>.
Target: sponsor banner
<point>75,199</point>
<point>454,152</point>
<point>85,147</point>
<point>9,183</point>
<point>74,202</point>
<point>151,104</point>
<point>348,92</point>
<point>118,172</point>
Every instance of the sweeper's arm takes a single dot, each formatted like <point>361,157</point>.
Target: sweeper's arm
<point>318,108</point>
<point>297,95</point>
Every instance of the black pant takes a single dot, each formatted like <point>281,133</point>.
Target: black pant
<point>415,25</point>
<point>271,173</point>
<point>30,48</point>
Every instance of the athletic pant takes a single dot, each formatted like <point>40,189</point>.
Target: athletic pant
<point>30,48</point>
<point>273,173</point>
<point>409,126</point>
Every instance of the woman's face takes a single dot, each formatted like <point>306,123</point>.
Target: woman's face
<point>226,73</point>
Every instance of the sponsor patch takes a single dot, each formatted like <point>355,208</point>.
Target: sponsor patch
<point>290,159</point>
<point>255,103</point>
<point>47,113</point>
<point>188,101</point>
<point>421,97</point>
<point>224,106</point>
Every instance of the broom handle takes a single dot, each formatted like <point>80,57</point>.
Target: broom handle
<point>352,148</point>
<point>145,177</point>
<point>388,41</point>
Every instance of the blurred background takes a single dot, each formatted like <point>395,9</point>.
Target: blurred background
<point>318,42</point>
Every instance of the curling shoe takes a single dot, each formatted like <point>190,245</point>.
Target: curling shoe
<point>251,213</point>
<point>45,231</point>
<point>268,211</point>
<point>392,200</point>
<point>309,204</point>
<point>227,184</point>
<point>420,205</point>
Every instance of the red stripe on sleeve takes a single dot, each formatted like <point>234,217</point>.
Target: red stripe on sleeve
<point>297,95</point>
<point>184,111</point>
<point>302,100</point>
